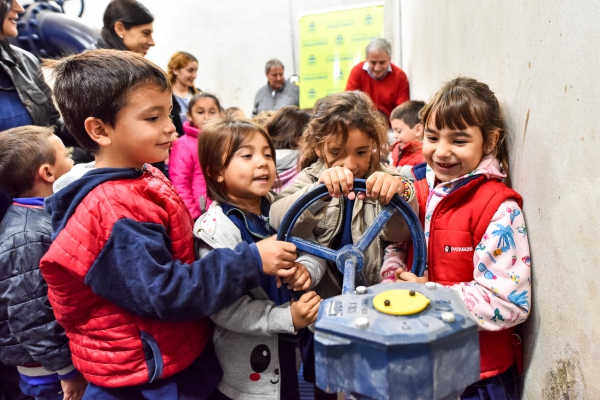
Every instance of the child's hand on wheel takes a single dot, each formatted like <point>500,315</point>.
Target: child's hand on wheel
<point>339,181</point>
<point>402,275</point>
<point>278,257</point>
<point>382,187</point>
<point>304,311</point>
<point>300,280</point>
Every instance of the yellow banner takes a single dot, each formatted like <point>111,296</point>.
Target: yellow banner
<point>331,43</point>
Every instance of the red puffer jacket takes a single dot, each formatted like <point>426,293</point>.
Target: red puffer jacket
<point>123,281</point>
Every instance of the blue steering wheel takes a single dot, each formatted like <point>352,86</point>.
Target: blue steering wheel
<point>350,258</point>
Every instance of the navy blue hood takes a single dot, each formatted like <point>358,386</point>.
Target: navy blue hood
<point>62,205</point>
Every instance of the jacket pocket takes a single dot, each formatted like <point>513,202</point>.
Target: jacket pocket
<point>153,356</point>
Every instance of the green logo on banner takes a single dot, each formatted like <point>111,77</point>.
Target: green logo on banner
<point>339,40</point>
<point>369,19</point>
<point>312,27</point>
<point>312,60</point>
<point>312,94</point>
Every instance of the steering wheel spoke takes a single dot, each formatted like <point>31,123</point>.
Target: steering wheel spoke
<point>376,227</point>
<point>314,249</point>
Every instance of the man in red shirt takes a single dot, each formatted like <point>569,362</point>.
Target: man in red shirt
<point>379,78</point>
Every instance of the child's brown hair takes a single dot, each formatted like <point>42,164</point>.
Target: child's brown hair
<point>221,138</point>
<point>22,151</point>
<point>98,84</point>
<point>465,102</point>
<point>408,112</point>
<point>338,114</point>
<point>287,126</point>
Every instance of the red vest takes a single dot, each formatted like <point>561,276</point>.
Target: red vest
<point>411,154</point>
<point>106,340</point>
<point>460,220</point>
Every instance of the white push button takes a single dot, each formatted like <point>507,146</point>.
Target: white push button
<point>448,317</point>
<point>430,285</point>
<point>362,322</point>
<point>361,290</point>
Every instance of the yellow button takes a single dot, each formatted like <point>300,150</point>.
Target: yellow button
<point>400,302</point>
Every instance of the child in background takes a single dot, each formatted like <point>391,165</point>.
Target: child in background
<point>285,129</point>
<point>344,140</point>
<point>408,133</point>
<point>394,258</point>
<point>255,336</point>
<point>184,168</point>
<point>31,160</point>
<point>478,244</point>
<point>235,112</point>
<point>121,274</point>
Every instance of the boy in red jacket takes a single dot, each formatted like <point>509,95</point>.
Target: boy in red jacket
<point>121,274</point>
<point>408,133</point>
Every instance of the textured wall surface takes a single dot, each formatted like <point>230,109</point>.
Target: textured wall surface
<point>542,59</point>
<point>232,39</point>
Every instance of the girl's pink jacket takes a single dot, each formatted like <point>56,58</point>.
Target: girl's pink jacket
<point>185,171</point>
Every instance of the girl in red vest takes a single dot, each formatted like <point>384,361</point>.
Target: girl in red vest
<point>474,225</point>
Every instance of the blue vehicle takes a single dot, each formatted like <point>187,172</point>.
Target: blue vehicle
<point>46,31</point>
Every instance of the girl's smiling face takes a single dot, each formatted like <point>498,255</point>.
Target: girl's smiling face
<point>251,172</point>
<point>452,153</point>
<point>355,154</point>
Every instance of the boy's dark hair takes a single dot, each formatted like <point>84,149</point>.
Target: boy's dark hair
<point>204,95</point>
<point>97,84</point>
<point>408,112</point>
<point>22,151</point>
<point>130,13</point>
<point>287,126</point>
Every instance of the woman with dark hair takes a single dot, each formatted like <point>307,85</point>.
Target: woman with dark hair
<point>127,26</point>
<point>25,98</point>
<point>285,129</point>
<point>182,70</point>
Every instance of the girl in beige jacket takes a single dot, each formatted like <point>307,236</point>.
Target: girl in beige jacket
<point>344,140</point>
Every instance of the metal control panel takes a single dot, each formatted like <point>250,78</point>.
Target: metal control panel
<point>429,354</point>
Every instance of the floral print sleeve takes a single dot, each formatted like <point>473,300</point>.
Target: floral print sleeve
<point>500,294</point>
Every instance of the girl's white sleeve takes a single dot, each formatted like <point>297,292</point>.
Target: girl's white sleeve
<point>500,294</point>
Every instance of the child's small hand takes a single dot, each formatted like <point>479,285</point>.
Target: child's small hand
<point>304,311</point>
<point>339,181</point>
<point>300,280</point>
<point>382,187</point>
<point>74,388</point>
<point>277,257</point>
<point>402,275</point>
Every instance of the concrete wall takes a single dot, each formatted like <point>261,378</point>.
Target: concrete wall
<point>233,39</point>
<point>542,59</point>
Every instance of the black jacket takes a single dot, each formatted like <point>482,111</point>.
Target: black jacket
<point>29,332</point>
<point>23,68</point>
<point>176,118</point>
